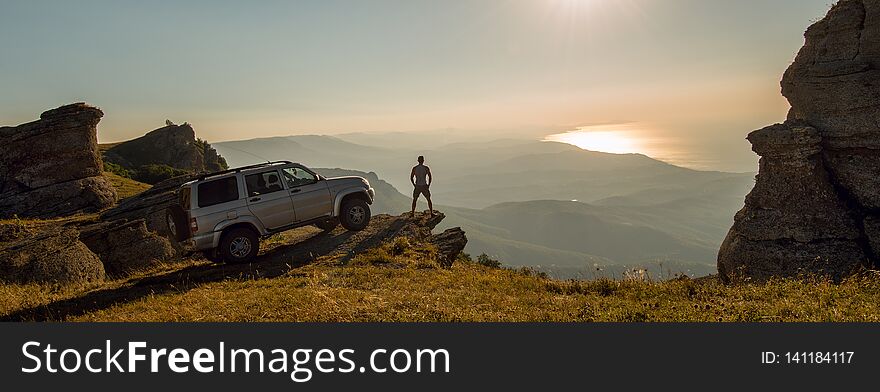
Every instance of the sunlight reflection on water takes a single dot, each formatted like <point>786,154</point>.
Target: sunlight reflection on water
<point>635,139</point>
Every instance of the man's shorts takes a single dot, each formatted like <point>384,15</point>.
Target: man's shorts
<point>421,189</point>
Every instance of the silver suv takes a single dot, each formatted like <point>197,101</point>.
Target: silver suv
<point>228,212</point>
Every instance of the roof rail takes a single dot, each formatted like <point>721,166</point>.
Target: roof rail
<point>238,169</point>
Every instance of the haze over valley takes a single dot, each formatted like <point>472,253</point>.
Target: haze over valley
<point>551,205</point>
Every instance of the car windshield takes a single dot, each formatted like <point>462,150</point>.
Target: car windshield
<point>297,176</point>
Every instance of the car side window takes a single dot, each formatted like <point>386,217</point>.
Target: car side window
<point>263,183</point>
<point>218,191</point>
<point>296,176</point>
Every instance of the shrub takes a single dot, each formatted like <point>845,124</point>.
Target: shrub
<point>375,256</point>
<point>532,271</point>
<point>484,260</point>
<point>401,251</point>
<point>117,170</point>
<point>605,287</point>
<point>154,173</point>
<point>400,245</point>
<point>464,258</point>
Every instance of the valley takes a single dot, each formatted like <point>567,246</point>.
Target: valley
<point>553,206</point>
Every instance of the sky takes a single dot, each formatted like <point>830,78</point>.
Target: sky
<point>681,80</point>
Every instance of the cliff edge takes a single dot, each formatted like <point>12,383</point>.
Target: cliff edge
<point>815,207</point>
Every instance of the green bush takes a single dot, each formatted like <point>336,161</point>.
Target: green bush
<point>153,174</point>
<point>487,261</point>
<point>117,169</point>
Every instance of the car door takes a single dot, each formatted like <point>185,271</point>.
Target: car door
<point>268,200</point>
<point>311,197</point>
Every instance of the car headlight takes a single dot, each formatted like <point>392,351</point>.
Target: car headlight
<point>367,183</point>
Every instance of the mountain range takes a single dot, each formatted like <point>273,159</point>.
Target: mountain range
<point>546,205</point>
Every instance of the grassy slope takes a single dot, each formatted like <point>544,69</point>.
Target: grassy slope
<point>382,286</point>
<point>125,187</point>
<point>390,284</point>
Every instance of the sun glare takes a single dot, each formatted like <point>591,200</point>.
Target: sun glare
<point>615,141</point>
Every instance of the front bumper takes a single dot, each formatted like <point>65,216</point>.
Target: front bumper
<point>372,194</point>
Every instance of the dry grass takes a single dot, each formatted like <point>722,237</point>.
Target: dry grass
<point>400,281</point>
<point>125,187</point>
<point>470,292</point>
<point>16,229</point>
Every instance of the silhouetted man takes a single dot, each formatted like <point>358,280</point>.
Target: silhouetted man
<point>421,180</point>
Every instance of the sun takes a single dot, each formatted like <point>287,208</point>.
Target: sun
<point>610,140</point>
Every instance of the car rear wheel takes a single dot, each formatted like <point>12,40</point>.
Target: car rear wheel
<point>327,224</point>
<point>355,214</point>
<point>239,246</point>
<point>175,219</point>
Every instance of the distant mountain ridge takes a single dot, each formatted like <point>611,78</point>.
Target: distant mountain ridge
<point>532,203</point>
<point>480,174</point>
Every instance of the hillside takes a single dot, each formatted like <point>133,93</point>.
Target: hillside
<point>402,282</point>
<point>556,234</point>
<point>125,187</point>
<point>660,237</point>
<point>163,153</point>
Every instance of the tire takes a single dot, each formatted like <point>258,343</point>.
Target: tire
<point>354,214</point>
<point>175,220</point>
<point>327,224</point>
<point>239,246</point>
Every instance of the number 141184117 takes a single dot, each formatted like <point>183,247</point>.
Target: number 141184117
<point>808,357</point>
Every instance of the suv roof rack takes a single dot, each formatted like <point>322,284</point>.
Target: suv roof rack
<point>238,169</point>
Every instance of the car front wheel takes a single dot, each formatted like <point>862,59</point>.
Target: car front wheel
<point>239,246</point>
<point>355,215</point>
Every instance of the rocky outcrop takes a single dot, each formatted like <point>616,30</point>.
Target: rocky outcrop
<point>51,254</point>
<point>149,205</point>
<point>450,244</point>
<point>175,146</point>
<point>384,228</point>
<point>51,167</point>
<point>815,207</point>
<point>78,251</point>
<point>126,247</point>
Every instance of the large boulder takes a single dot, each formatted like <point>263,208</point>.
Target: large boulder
<point>450,244</point>
<point>815,208</point>
<point>126,247</point>
<point>46,254</point>
<point>75,251</point>
<point>51,167</point>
